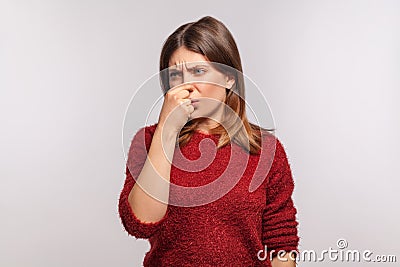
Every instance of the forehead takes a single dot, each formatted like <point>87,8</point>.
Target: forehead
<point>183,55</point>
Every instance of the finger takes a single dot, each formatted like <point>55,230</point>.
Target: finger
<point>182,94</point>
<point>184,101</point>
<point>181,87</point>
<point>191,109</point>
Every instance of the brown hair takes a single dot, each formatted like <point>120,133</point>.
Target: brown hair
<point>210,37</point>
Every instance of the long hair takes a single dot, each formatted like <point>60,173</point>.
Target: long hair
<point>211,38</point>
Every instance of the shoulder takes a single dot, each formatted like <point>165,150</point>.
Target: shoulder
<point>144,136</point>
<point>280,161</point>
<point>148,130</point>
<point>273,148</point>
<point>269,140</point>
<point>279,149</point>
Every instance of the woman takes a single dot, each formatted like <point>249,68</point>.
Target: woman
<point>168,163</point>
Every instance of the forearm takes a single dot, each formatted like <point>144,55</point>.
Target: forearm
<point>149,196</point>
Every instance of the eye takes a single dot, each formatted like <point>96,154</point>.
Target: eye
<point>199,71</point>
<point>174,74</point>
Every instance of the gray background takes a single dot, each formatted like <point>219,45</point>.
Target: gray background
<point>68,69</point>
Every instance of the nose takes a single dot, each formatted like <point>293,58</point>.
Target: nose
<point>192,91</point>
<point>186,76</point>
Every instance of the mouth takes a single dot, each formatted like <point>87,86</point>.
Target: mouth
<point>194,100</point>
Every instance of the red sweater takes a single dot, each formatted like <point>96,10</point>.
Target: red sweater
<point>229,231</point>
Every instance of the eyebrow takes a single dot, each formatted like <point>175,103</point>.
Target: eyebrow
<point>174,67</point>
<point>200,65</point>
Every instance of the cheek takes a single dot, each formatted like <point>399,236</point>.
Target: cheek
<point>211,91</point>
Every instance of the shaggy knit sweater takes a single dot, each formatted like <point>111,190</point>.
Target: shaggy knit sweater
<point>229,231</point>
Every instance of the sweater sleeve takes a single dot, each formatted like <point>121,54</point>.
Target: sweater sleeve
<point>279,218</point>
<point>136,158</point>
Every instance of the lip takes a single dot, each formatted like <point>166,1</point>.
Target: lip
<point>194,100</point>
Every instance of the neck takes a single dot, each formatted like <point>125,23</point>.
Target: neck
<point>206,126</point>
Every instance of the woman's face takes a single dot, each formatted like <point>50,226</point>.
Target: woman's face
<point>208,83</point>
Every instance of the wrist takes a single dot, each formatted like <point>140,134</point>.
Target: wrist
<point>166,132</point>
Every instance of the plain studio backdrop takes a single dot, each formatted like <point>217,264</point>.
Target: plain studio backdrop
<point>68,70</point>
